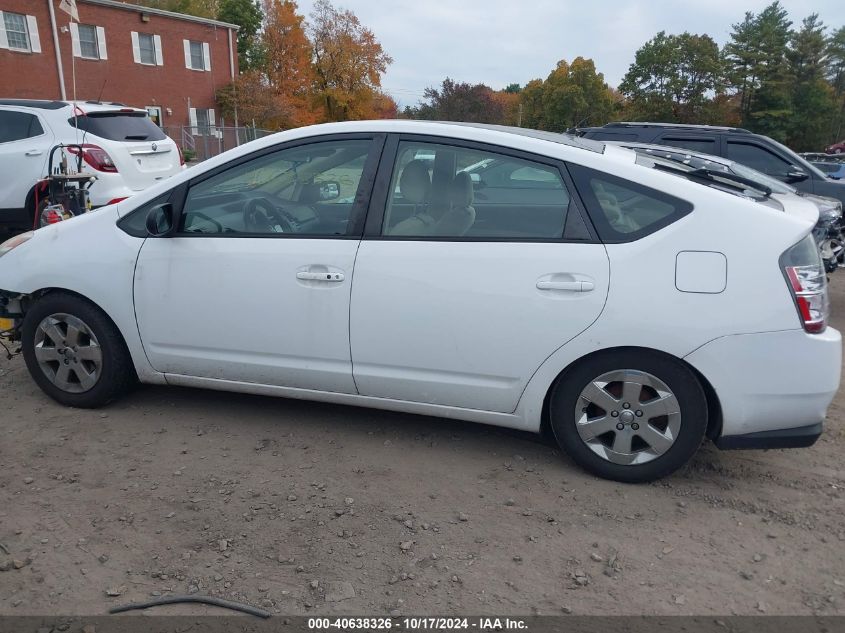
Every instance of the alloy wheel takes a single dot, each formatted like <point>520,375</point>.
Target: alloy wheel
<point>628,417</point>
<point>68,353</point>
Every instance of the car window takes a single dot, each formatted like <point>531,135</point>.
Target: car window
<point>119,126</point>
<point>757,158</point>
<point>455,192</point>
<point>702,145</point>
<point>16,126</point>
<point>308,190</point>
<point>623,210</point>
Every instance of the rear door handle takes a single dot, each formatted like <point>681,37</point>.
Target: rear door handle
<point>313,276</point>
<point>34,152</point>
<point>571,286</point>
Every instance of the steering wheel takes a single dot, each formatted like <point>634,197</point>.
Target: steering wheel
<point>262,216</point>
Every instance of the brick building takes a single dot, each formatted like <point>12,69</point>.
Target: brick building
<point>169,63</point>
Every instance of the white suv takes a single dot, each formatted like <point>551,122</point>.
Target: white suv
<point>122,146</point>
<point>574,285</point>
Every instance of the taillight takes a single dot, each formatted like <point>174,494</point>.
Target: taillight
<point>96,157</point>
<point>805,275</point>
<point>181,156</point>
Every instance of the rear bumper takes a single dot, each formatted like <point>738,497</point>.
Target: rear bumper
<point>774,388</point>
<point>798,437</point>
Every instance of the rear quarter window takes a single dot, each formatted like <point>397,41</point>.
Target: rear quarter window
<point>119,126</point>
<point>622,210</point>
<point>16,126</point>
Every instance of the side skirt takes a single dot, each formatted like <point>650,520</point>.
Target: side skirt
<point>418,408</point>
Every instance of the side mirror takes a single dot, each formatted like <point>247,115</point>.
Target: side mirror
<point>329,190</point>
<point>796,174</point>
<point>160,220</point>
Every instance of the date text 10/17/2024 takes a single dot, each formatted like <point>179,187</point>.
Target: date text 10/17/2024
<point>417,624</point>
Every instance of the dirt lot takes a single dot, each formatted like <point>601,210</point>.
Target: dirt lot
<point>313,509</point>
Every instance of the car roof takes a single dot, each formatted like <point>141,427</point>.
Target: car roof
<point>34,103</point>
<point>554,137</point>
<point>85,106</point>
<point>455,129</point>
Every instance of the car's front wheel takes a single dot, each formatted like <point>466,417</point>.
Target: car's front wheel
<point>74,352</point>
<point>629,415</point>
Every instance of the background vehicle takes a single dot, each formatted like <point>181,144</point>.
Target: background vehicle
<point>121,145</point>
<point>831,164</point>
<point>736,178</point>
<point>618,304</point>
<point>753,150</point>
<point>836,148</point>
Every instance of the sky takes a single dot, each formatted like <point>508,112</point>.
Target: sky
<point>498,42</point>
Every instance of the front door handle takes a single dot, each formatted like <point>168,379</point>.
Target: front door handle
<point>34,152</point>
<point>571,286</point>
<point>314,276</point>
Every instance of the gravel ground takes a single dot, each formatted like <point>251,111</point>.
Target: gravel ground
<point>307,508</point>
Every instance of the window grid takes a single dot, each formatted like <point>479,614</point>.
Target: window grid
<point>88,41</point>
<point>16,31</point>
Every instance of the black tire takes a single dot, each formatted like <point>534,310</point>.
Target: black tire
<point>116,374</point>
<point>679,378</point>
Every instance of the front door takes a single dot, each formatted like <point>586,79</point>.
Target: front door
<point>480,268</point>
<point>254,286</point>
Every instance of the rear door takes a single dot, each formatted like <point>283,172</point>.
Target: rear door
<point>25,142</point>
<point>465,285</point>
<point>142,153</point>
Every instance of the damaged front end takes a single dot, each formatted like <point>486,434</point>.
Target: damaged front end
<point>828,232</point>
<point>12,306</point>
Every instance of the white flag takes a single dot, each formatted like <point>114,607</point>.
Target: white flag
<point>69,6</point>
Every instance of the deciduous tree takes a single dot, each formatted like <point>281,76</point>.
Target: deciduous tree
<point>460,101</point>
<point>348,63</point>
<point>673,77</point>
<point>575,95</point>
<point>247,14</point>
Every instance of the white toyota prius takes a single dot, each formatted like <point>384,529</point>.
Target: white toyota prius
<point>567,285</point>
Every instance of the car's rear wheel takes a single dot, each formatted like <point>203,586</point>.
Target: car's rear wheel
<point>74,352</point>
<point>629,415</point>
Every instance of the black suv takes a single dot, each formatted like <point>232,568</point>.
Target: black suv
<point>754,150</point>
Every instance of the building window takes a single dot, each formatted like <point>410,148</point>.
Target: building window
<point>197,61</point>
<point>88,41</point>
<point>202,122</point>
<point>146,49</point>
<point>197,55</point>
<point>147,46</point>
<point>16,31</point>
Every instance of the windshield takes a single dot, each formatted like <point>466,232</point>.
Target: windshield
<point>777,186</point>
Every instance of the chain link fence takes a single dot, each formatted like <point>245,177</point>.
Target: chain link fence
<point>200,142</point>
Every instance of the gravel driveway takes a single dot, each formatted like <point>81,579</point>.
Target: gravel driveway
<point>307,508</point>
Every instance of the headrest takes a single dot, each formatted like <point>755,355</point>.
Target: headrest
<point>460,191</point>
<point>310,193</point>
<point>415,183</point>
